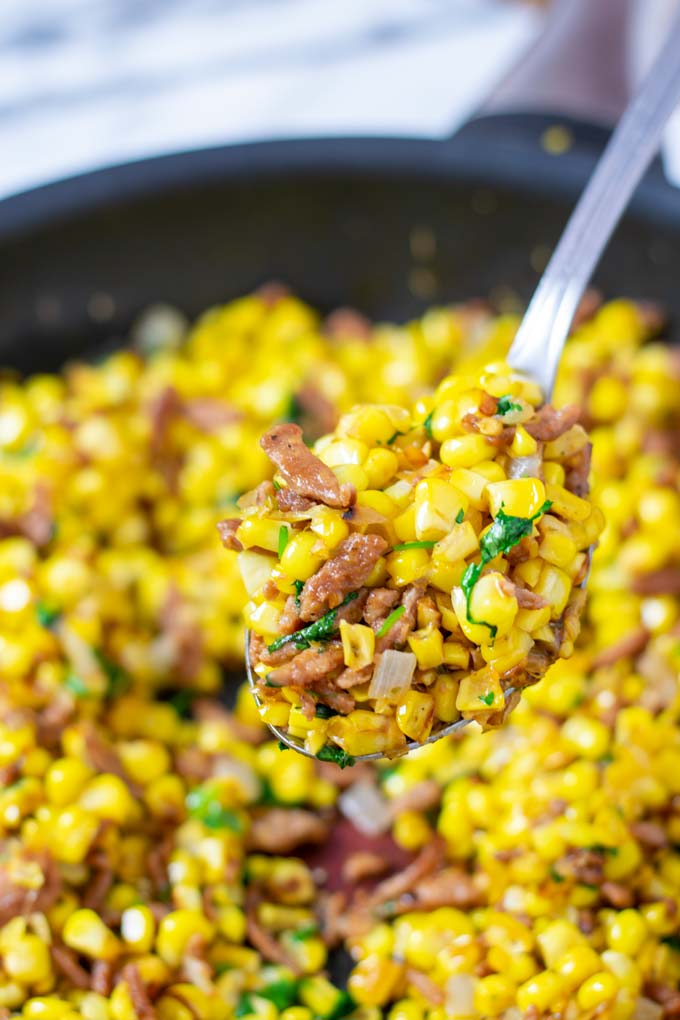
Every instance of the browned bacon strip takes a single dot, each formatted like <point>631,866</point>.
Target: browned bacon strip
<point>301,470</point>
<point>347,571</point>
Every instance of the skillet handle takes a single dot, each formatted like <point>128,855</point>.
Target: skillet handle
<point>577,67</point>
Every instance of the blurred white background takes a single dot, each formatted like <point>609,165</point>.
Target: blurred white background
<point>86,83</point>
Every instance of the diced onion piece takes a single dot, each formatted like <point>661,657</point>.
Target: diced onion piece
<point>525,467</point>
<point>255,570</point>
<point>366,808</point>
<point>392,676</point>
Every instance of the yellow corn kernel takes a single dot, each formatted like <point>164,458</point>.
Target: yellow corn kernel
<point>460,542</point>
<point>445,692</point>
<point>381,466</point>
<point>411,830</point>
<point>553,473</point>
<point>274,713</point>
<point>565,504</point>
<point>586,737</point>
<point>428,647</point>
<point>518,497</point>
<point>523,444</point>
<point>415,715</point>
<point>556,938</point>
<point>65,780</point>
<point>576,964</point>
<point>259,531</point>
<point>319,995</point>
<point>557,546</point>
<point>626,932</point>
<point>455,655</point>
<point>494,994</point>
<point>554,586</point>
<point>165,796</point>
<point>491,470</point>
<point>75,830</point>
<point>344,451</point>
<point>541,991</point>
<point>470,484</point>
<point>437,505</point>
<point>358,644</point>
<point>352,474</point>
<point>407,565</point>
<point>144,760</point>
<point>85,932</point>
<point>329,526</point>
<point>138,928</point>
<point>608,399</point>
<point>374,423</point>
<point>492,609</point>
<point>598,989</point>
<point>480,691</point>
<point>532,620</point>
<point>27,960</point>
<point>373,980</point>
<point>175,930</point>
<point>108,797</point>
<point>301,557</point>
<point>625,970</point>
<point>507,651</point>
<point>466,451</point>
<point>529,571</point>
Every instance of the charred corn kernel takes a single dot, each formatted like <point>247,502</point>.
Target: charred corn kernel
<point>27,961</point>
<point>466,451</point>
<point>175,930</point>
<point>428,647</point>
<point>85,932</point>
<point>108,797</point>
<point>437,505</point>
<point>415,715</point>
<point>519,497</point>
<point>598,989</point>
<point>358,644</point>
<point>137,928</point>
<point>300,557</point>
<point>493,995</point>
<point>626,932</point>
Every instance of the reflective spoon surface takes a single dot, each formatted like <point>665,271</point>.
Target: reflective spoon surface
<point>540,339</point>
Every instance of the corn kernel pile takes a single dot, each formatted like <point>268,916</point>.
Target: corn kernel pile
<point>155,857</point>
<point>446,573</point>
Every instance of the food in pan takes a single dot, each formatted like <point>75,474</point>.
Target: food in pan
<point>416,564</point>
<point>162,858</point>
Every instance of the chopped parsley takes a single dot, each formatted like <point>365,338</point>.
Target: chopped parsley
<point>118,680</point>
<point>427,424</point>
<point>321,630</point>
<point>283,540</point>
<point>277,487</point>
<point>507,404</point>
<point>282,746</point>
<point>413,545</point>
<point>505,533</point>
<point>182,701</point>
<point>393,438</point>
<point>46,616</point>
<point>335,754</point>
<point>673,941</point>
<point>76,685</point>
<point>390,620</point>
<point>487,698</point>
<point>307,931</point>
<point>204,806</point>
<point>460,516</point>
<point>325,711</point>
<point>298,585</point>
<point>555,875</point>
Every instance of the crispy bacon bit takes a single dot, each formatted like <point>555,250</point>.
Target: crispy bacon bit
<point>52,719</point>
<point>258,652</point>
<point>347,571</point>
<point>587,307</point>
<point>632,644</point>
<point>102,977</point>
<point>104,758</point>
<point>577,471</point>
<point>35,524</point>
<point>17,900</point>
<point>617,895</point>
<point>401,629</point>
<point>347,322</point>
<point>272,292</point>
<point>425,985</point>
<point>488,405</point>
<point>307,704</point>
<point>308,666</point>
<point>378,605</point>
<point>582,865</point>
<point>97,888</point>
<point>139,995</point>
<point>650,834</point>
<point>186,637</point>
<point>428,860</point>
<point>290,619</point>
<point>422,797</point>
<point>290,501</point>
<point>665,581</point>
<point>157,862</point>
<point>450,887</point>
<point>363,864</point>
<point>192,763</point>
<point>353,677</point>
<point>301,470</point>
<point>209,414</point>
<point>339,701</point>
<point>281,830</point>
<point>227,531</point>
<point>667,997</point>
<point>550,422</point>
<point>66,963</point>
<point>263,940</point>
<point>527,599</point>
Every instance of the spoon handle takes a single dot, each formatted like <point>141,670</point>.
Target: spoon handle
<point>543,331</point>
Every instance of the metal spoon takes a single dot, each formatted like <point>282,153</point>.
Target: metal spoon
<point>538,345</point>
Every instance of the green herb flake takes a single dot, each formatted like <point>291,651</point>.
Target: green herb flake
<point>282,993</point>
<point>77,686</point>
<point>277,487</point>
<point>182,701</point>
<point>413,545</point>
<point>283,540</point>
<point>343,1006</point>
<point>507,404</point>
<point>335,754</point>
<point>306,931</point>
<point>460,516</point>
<point>298,585</point>
<point>390,620</point>
<point>673,941</point>
<point>45,616</point>
<point>556,876</point>
<point>393,438</point>
<point>505,533</point>
<point>325,711</point>
<point>487,698</point>
<point>203,806</point>
<point>427,425</point>
<point>282,746</point>
<point>118,680</point>
<point>244,1006</point>
<point>321,630</point>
